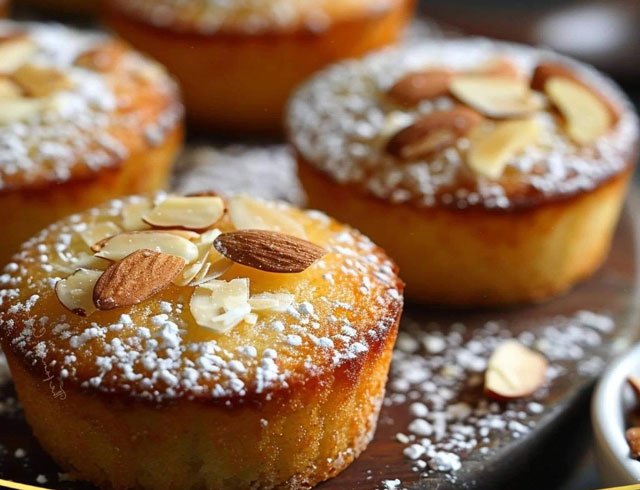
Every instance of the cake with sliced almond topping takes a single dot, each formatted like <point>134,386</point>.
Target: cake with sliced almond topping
<point>492,173</point>
<point>200,342</point>
<point>238,61</point>
<point>83,119</point>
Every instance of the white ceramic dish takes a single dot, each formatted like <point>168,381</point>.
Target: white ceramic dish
<point>612,400</point>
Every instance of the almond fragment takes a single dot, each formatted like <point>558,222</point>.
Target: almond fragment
<point>132,215</point>
<point>501,67</point>
<point>9,89</point>
<point>586,116</point>
<point>433,133</point>
<point>490,152</point>
<point>119,246</point>
<point>514,371</point>
<point>75,292</point>
<point>14,52</point>
<point>271,301</point>
<point>221,305</point>
<point>135,278</point>
<point>40,81</point>
<point>423,85</point>
<point>495,96</point>
<point>211,270</point>
<point>633,438</point>
<point>269,251</point>
<point>99,231</point>
<point>192,213</point>
<point>205,247</point>
<point>254,214</point>
<point>18,109</point>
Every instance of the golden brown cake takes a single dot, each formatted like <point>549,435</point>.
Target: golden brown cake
<point>83,119</point>
<point>232,344</point>
<point>238,61</point>
<point>492,173</point>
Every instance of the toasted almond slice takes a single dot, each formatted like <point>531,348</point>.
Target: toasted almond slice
<point>514,371</point>
<point>496,96</point>
<point>75,292</point>
<point>586,116</point>
<point>18,109</point>
<point>99,231</point>
<point>132,215</point>
<point>14,52</point>
<point>547,70</point>
<point>119,246</point>
<point>192,213</point>
<point>490,153</point>
<point>268,251</point>
<point>271,301</point>
<point>9,89</point>
<point>254,214</point>
<point>135,278</point>
<point>418,86</point>
<point>38,81</point>
<point>633,438</point>
<point>433,133</point>
<point>221,305</point>
<point>500,66</point>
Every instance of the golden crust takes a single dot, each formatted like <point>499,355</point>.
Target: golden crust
<point>231,62</point>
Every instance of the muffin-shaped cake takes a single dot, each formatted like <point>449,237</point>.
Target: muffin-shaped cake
<point>199,342</point>
<point>83,119</point>
<point>238,61</point>
<point>492,173</point>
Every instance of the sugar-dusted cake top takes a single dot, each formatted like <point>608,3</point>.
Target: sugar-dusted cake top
<point>250,16</point>
<point>223,300</point>
<point>73,102</point>
<point>465,123</point>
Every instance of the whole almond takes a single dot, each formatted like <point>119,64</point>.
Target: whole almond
<point>135,278</point>
<point>433,133</point>
<point>415,87</point>
<point>268,251</point>
<point>633,438</point>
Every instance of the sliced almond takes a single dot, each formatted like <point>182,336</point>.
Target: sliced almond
<point>254,214</point>
<point>268,251</point>
<point>211,270</point>
<point>205,246</point>
<point>547,70</point>
<point>586,116</point>
<point>496,96</point>
<point>9,88</point>
<point>14,52</point>
<point>135,278</point>
<point>192,213</point>
<point>75,292</point>
<point>633,438</point>
<point>99,231</point>
<point>221,305</point>
<point>132,215</point>
<point>38,81</point>
<point>433,133</point>
<point>423,85</point>
<point>119,246</point>
<point>514,371</point>
<point>490,152</point>
<point>271,301</point>
<point>502,67</point>
<point>18,109</point>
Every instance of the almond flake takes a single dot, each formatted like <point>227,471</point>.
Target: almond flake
<point>192,213</point>
<point>211,270</point>
<point>496,96</point>
<point>221,305</point>
<point>254,214</point>
<point>14,52</point>
<point>18,109</point>
<point>99,231</point>
<point>119,246</point>
<point>491,151</point>
<point>135,278</point>
<point>75,292</point>
<point>501,67</point>
<point>415,87</point>
<point>9,89</point>
<point>132,215</point>
<point>271,301</point>
<point>432,133</point>
<point>40,81</point>
<point>268,251</point>
<point>586,116</point>
<point>514,371</point>
<point>205,246</point>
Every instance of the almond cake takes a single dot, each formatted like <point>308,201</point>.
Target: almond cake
<point>200,342</point>
<point>83,118</point>
<point>493,173</point>
<point>238,61</point>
